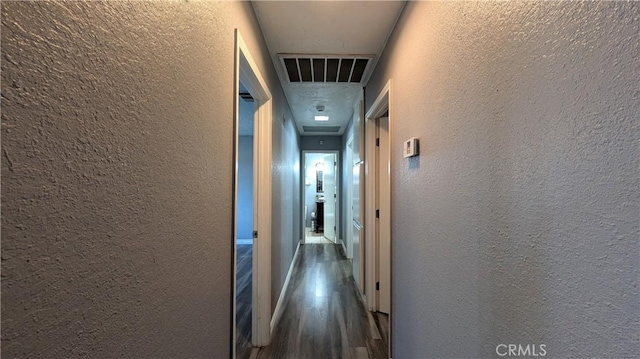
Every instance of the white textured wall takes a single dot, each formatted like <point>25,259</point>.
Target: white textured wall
<point>244,211</point>
<point>519,222</point>
<point>117,142</point>
<point>286,207</point>
<point>345,168</point>
<point>329,143</point>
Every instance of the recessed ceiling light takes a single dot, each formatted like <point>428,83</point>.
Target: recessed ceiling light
<point>322,118</point>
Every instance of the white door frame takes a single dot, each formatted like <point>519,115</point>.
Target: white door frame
<point>383,219</point>
<point>382,104</point>
<point>327,193</point>
<point>338,189</point>
<point>247,72</point>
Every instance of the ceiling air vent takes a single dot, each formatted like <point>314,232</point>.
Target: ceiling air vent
<point>321,128</point>
<point>326,68</point>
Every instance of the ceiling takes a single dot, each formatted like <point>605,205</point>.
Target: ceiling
<point>325,30</point>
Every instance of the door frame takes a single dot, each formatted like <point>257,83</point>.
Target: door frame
<point>383,219</point>
<point>247,72</point>
<point>382,104</point>
<point>338,191</point>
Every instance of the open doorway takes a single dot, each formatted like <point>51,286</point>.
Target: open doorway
<point>321,194</point>
<point>379,211</point>
<point>245,212</point>
<point>251,210</point>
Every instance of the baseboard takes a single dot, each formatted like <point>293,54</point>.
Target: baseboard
<point>277,313</point>
<point>344,248</point>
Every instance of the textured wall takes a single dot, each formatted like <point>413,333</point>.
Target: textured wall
<point>244,212</point>
<point>345,168</point>
<point>518,223</point>
<point>354,128</point>
<point>312,143</point>
<point>286,207</point>
<point>116,176</point>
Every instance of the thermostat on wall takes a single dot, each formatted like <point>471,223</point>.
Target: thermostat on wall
<point>411,147</point>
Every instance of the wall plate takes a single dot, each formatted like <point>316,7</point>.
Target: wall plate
<point>411,147</point>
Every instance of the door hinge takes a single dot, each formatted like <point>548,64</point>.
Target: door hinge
<point>255,234</point>
<point>377,213</point>
<point>377,142</point>
<point>335,195</point>
<point>377,285</point>
<point>334,228</point>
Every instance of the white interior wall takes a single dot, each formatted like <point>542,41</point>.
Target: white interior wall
<point>117,134</point>
<point>518,222</point>
<point>244,211</point>
<point>286,206</point>
<point>353,130</point>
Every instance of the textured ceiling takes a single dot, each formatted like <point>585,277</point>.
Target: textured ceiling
<point>325,28</point>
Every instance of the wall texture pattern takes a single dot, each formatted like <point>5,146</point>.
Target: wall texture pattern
<point>286,205</point>
<point>519,221</point>
<point>117,149</point>
<point>313,143</point>
<point>244,211</point>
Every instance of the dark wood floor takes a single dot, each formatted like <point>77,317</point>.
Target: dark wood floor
<point>324,316</point>
<point>244,257</point>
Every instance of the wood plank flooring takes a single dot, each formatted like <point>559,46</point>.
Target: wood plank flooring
<point>244,257</point>
<point>324,316</point>
<point>311,237</point>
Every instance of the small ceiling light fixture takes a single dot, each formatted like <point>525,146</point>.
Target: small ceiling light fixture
<point>320,108</point>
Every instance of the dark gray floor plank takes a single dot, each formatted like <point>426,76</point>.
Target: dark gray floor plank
<point>244,258</point>
<point>324,316</point>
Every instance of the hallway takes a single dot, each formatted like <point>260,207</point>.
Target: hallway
<point>311,237</point>
<point>515,224</point>
<point>324,316</point>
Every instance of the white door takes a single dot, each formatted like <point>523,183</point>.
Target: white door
<point>330,197</point>
<point>383,232</point>
<point>358,231</point>
<point>349,198</point>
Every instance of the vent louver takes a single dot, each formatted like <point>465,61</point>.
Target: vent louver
<point>246,96</point>
<point>321,128</point>
<point>326,68</point>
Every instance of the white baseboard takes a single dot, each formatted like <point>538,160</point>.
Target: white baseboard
<point>344,248</point>
<point>277,313</point>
